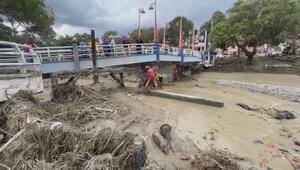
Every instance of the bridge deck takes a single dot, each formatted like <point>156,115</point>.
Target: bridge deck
<point>68,58</point>
<point>112,61</point>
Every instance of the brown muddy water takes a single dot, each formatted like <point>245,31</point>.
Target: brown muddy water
<point>249,134</point>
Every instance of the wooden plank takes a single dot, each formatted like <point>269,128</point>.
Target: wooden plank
<point>187,98</point>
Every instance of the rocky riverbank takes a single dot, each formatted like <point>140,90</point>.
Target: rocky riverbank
<point>290,93</point>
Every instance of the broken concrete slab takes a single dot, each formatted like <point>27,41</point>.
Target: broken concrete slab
<point>187,98</point>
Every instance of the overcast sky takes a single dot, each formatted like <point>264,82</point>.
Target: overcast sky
<point>79,16</point>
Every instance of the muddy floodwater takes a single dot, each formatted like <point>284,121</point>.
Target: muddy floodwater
<point>256,137</point>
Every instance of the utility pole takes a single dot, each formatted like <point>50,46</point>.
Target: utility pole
<point>164,40</point>
<point>154,6</point>
<point>141,11</point>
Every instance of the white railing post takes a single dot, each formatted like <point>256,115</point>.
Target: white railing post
<point>49,56</point>
<point>21,58</point>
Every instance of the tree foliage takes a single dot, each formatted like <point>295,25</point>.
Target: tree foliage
<point>216,18</point>
<point>173,28</point>
<point>221,36</point>
<point>252,23</point>
<point>110,33</point>
<point>67,39</point>
<point>146,35</point>
<point>32,17</point>
<point>5,31</point>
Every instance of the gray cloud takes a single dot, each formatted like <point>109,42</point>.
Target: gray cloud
<point>121,15</point>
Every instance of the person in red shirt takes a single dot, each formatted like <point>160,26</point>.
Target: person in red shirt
<point>151,78</point>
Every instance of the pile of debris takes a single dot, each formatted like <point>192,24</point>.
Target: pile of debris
<point>274,113</point>
<point>215,160</point>
<point>63,147</point>
<point>38,136</point>
<point>69,92</point>
<point>212,159</point>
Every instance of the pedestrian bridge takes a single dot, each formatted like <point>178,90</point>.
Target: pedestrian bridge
<point>69,58</point>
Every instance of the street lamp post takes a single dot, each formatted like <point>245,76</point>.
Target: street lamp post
<point>154,6</point>
<point>180,45</point>
<point>141,11</point>
<point>164,40</point>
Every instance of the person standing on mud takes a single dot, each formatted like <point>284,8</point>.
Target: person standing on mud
<point>151,78</point>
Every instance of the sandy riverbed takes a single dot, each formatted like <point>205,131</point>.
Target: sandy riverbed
<point>248,134</point>
<point>232,127</point>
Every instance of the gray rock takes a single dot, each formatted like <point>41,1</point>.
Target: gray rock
<point>297,142</point>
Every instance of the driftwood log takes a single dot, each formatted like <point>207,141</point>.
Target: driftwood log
<point>161,142</point>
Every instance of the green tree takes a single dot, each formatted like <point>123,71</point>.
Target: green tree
<point>216,18</point>
<point>84,36</point>
<point>30,16</point>
<point>173,28</point>
<point>252,23</point>
<point>63,40</point>
<point>221,36</point>
<point>67,39</point>
<point>109,33</point>
<point>5,31</point>
<point>146,35</point>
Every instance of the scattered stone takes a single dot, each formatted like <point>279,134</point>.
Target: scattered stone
<point>297,142</point>
<point>185,158</point>
<point>258,142</point>
<point>284,115</point>
<point>244,106</point>
<point>285,92</point>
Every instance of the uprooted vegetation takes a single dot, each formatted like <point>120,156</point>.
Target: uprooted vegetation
<point>215,160</point>
<point>66,148</point>
<point>55,134</point>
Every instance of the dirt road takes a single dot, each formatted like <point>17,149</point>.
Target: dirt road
<point>249,134</point>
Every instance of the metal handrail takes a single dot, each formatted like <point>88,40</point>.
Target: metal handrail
<point>12,56</point>
<point>66,53</point>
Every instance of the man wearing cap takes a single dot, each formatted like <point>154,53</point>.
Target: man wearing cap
<point>151,78</point>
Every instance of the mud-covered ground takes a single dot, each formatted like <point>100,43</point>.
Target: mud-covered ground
<point>265,142</point>
<point>84,126</point>
<point>248,138</point>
